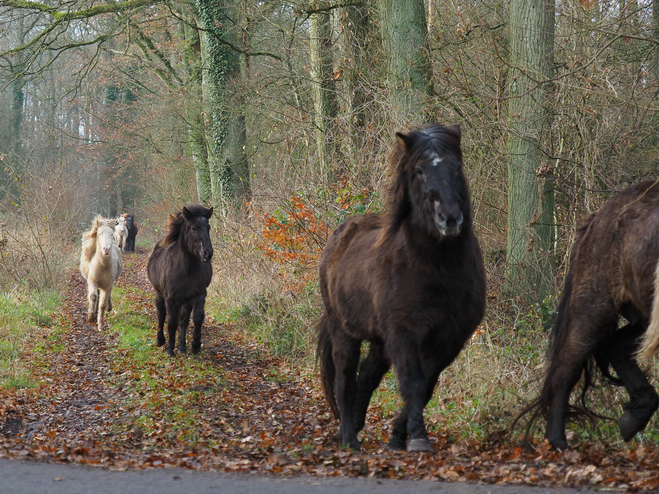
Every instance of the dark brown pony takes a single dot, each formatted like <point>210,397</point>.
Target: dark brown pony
<point>411,283</point>
<point>613,273</point>
<point>179,269</point>
<point>132,232</point>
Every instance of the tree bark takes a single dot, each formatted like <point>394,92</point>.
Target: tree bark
<point>355,24</point>
<point>404,37</point>
<point>531,225</point>
<point>220,66</point>
<point>323,87</point>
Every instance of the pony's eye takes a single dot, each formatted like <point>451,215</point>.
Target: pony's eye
<point>418,172</point>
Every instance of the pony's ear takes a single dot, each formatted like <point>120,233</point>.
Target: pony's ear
<point>404,141</point>
<point>187,214</point>
<point>209,213</point>
<point>455,131</point>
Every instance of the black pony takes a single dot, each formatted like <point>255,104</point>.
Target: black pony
<point>411,283</point>
<point>613,273</point>
<point>179,269</point>
<point>132,232</point>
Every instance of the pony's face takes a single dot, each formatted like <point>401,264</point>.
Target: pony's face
<point>121,225</point>
<point>199,238</point>
<point>128,219</point>
<point>105,238</point>
<point>437,186</point>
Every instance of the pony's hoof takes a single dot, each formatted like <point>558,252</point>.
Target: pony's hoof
<point>170,352</point>
<point>559,444</point>
<point>420,445</point>
<point>353,445</point>
<point>182,349</point>
<point>160,340</point>
<point>629,426</point>
<point>396,444</point>
<point>196,347</point>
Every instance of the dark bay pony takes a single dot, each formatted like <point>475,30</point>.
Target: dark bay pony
<point>411,283</point>
<point>613,272</point>
<point>179,269</point>
<point>131,232</point>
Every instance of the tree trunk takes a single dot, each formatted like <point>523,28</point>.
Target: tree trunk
<point>404,36</point>
<point>195,123</point>
<point>236,147</point>
<point>323,89</point>
<point>355,23</point>
<point>531,225</point>
<point>220,65</point>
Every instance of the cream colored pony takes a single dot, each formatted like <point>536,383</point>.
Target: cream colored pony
<point>120,233</point>
<point>100,265</point>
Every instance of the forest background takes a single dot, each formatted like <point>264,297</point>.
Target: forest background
<point>282,115</point>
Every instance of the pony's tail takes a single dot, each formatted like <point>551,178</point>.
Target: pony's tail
<point>327,369</point>
<point>650,340</point>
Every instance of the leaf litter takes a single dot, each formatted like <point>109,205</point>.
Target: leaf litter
<point>236,408</point>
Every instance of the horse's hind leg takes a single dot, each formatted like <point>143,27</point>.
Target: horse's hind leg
<point>585,334</point>
<point>172,324</point>
<point>184,322</point>
<point>197,320</point>
<point>161,311</point>
<point>345,354</point>
<point>619,350</point>
<point>371,371</point>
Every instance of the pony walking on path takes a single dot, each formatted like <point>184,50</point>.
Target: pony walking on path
<point>120,233</point>
<point>179,269</point>
<point>411,283</point>
<point>100,265</point>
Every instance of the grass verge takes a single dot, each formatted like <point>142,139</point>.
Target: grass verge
<point>25,319</point>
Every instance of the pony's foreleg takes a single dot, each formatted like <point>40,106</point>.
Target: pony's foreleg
<point>412,385</point>
<point>173,310</point>
<point>92,299</point>
<point>161,312</point>
<point>102,306</point>
<point>433,364</point>
<point>198,319</point>
<point>345,354</point>
<point>619,351</point>
<point>184,322</point>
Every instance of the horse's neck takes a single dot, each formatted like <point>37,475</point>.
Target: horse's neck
<point>184,246</point>
<point>429,243</point>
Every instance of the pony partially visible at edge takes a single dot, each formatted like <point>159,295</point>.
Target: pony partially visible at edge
<point>179,269</point>
<point>100,265</point>
<point>614,273</point>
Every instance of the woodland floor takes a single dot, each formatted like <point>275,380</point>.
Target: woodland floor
<point>260,416</point>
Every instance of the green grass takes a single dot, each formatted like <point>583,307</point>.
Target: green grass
<point>158,387</point>
<point>285,322</point>
<point>24,321</point>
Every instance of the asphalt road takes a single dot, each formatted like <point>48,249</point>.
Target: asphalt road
<point>29,477</point>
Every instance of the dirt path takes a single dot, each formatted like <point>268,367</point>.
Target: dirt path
<point>259,416</point>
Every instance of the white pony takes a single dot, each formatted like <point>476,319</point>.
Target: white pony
<point>100,265</point>
<point>120,233</point>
